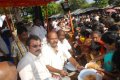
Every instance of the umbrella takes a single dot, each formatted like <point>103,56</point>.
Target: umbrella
<point>90,9</point>
<point>111,11</point>
<point>116,7</point>
<point>57,16</point>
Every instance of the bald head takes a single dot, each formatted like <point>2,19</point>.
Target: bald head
<point>52,39</point>
<point>61,35</point>
<point>7,71</point>
<point>60,32</point>
<point>51,34</point>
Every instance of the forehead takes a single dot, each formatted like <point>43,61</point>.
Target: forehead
<point>24,33</point>
<point>62,33</point>
<point>52,35</point>
<point>32,41</point>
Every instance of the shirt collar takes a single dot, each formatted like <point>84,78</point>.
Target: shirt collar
<point>33,56</point>
<point>56,51</point>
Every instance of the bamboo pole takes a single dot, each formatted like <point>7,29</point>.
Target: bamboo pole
<point>46,17</point>
<point>71,23</point>
<point>9,26</point>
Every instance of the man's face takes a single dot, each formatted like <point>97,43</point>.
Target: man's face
<point>61,36</point>
<point>37,22</point>
<point>35,47</point>
<point>53,40</point>
<point>95,37</point>
<point>24,36</point>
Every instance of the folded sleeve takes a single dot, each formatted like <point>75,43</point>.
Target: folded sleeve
<point>26,73</point>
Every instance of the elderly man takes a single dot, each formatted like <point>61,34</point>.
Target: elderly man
<point>55,56</point>
<point>31,66</point>
<point>64,42</point>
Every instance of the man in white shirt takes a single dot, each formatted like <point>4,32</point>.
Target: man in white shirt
<point>31,66</point>
<point>38,30</point>
<point>54,24</point>
<point>64,42</point>
<point>55,56</point>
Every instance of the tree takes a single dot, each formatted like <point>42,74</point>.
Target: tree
<point>100,3</point>
<point>75,4</point>
<point>52,8</point>
<point>55,8</point>
<point>114,2</point>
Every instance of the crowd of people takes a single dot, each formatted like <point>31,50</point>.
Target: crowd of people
<point>41,54</point>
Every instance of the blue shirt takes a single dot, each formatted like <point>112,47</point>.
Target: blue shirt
<point>108,61</point>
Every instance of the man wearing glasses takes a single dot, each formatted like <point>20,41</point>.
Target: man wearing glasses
<point>31,66</point>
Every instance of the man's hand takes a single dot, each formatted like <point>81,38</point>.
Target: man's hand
<point>79,68</point>
<point>63,73</point>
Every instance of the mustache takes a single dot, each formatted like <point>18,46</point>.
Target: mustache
<point>39,50</point>
<point>56,42</point>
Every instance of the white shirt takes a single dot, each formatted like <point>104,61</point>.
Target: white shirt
<point>3,47</point>
<point>39,31</point>
<point>97,18</point>
<point>65,43</point>
<point>55,59</point>
<point>54,24</point>
<point>32,68</point>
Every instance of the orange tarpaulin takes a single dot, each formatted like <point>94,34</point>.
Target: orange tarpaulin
<point>18,3</point>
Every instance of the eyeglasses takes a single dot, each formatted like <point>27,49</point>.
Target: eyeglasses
<point>35,46</point>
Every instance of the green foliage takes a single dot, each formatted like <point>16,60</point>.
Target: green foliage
<point>27,18</point>
<point>86,5</point>
<point>100,3</point>
<point>1,11</point>
<point>52,8</point>
<point>114,2</point>
<point>55,8</point>
<point>75,4</point>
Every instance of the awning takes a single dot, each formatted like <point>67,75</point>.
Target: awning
<point>77,12</point>
<point>20,3</point>
<point>111,11</point>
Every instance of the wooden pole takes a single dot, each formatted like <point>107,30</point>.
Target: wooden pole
<point>71,23</point>
<point>9,26</point>
<point>7,19</point>
<point>46,17</point>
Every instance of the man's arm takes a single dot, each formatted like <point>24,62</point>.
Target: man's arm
<point>52,69</point>
<point>71,52</point>
<point>26,74</point>
<point>75,63</point>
